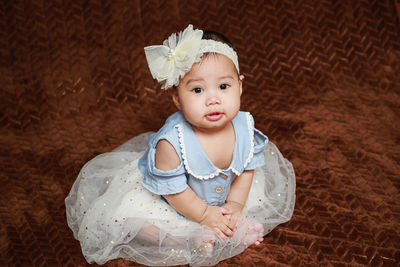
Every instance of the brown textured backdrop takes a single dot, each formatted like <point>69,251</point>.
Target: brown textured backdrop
<point>322,81</point>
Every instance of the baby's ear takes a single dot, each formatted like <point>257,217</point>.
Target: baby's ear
<point>175,98</point>
<point>241,78</point>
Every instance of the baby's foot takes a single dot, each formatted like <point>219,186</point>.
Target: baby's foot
<point>207,243</point>
<point>254,234</point>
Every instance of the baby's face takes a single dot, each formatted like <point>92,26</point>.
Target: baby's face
<point>209,94</point>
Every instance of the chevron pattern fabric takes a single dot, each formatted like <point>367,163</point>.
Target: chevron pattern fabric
<point>322,79</point>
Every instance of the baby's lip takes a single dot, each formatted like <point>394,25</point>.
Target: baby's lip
<point>214,116</point>
<point>213,113</point>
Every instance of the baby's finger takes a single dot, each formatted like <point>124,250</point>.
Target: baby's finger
<point>237,220</point>
<point>220,234</point>
<point>228,216</point>
<point>226,220</point>
<point>225,229</point>
<point>225,211</point>
<point>232,223</point>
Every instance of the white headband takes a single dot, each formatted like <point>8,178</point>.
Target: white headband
<point>172,60</point>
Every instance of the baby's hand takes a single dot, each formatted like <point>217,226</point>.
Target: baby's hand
<point>234,217</point>
<point>214,218</point>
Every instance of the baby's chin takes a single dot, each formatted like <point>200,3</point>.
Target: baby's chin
<point>213,126</point>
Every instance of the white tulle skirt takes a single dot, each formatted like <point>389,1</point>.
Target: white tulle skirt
<point>114,216</point>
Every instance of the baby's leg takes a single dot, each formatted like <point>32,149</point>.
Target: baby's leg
<point>151,233</point>
<point>254,233</point>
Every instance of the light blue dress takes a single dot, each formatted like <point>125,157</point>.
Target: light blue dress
<point>195,170</point>
<point>116,209</point>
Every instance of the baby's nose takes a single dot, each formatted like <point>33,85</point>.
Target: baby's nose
<point>212,100</point>
<point>213,97</point>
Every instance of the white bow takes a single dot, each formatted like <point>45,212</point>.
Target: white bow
<point>171,61</point>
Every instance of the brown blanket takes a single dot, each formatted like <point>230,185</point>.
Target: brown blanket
<point>322,81</point>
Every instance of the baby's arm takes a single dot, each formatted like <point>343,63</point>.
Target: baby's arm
<point>187,202</point>
<point>237,196</point>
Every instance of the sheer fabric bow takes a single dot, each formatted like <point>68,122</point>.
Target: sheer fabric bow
<point>170,61</point>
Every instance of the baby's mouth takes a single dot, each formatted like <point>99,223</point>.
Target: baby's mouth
<point>214,116</point>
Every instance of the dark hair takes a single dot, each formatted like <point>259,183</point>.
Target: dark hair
<point>216,36</point>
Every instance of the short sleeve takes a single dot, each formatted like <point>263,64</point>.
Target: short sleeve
<point>158,181</point>
<point>260,141</point>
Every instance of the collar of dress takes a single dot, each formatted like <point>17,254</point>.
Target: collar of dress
<point>196,161</point>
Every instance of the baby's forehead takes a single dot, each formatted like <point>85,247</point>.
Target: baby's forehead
<point>212,67</point>
<point>217,60</point>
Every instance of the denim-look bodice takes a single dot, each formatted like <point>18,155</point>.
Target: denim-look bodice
<point>195,169</point>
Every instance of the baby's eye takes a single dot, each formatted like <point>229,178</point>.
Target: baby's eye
<point>197,90</point>
<point>224,86</point>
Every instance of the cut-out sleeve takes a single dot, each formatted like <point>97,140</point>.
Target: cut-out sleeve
<point>158,181</point>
